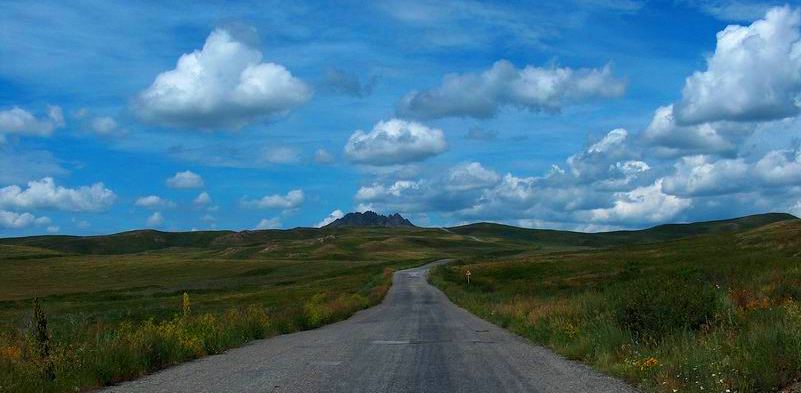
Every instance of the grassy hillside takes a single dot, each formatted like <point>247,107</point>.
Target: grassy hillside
<point>114,303</point>
<point>718,312</point>
<point>120,243</point>
<point>566,239</point>
<point>116,307</point>
<point>151,240</point>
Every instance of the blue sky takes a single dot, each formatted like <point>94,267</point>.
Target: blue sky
<point>585,115</point>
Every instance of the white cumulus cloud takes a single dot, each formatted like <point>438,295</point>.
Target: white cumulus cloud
<point>643,204</point>
<point>292,200</point>
<point>153,201</point>
<point>779,167</point>
<point>537,89</point>
<point>754,74</point>
<point>470,176</point>
<point>223,85</point>
<point>699,175</point>
<point>14,220</point>
<point>19,121</point>
<point>44,194</point>
<point>395,142</point>
<point>185,179</point>
<point>672,139</point>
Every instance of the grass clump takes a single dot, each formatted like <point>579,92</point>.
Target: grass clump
<point>653,308</point>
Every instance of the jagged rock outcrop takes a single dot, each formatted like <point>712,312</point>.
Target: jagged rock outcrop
<point>371,219</point>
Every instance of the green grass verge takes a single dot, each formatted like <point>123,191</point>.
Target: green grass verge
<point>86,354</point>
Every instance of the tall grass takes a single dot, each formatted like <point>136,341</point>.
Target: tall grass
<point>83,356</point>
<point>696,316</point>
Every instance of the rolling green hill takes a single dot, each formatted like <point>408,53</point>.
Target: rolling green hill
<point>150,240</point>
<point>712,306</point>
<point>562,239</point>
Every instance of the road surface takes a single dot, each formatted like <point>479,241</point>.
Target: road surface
<point>415,341</point>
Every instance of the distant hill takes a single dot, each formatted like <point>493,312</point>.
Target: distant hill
<point>120,243</point>
<point>658,233</point>
<point>372,226</point>
<point>371,219</point>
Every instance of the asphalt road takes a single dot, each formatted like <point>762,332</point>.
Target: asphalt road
<point>415,341</point>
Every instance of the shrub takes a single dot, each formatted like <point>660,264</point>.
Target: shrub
<point>651,309</point>
<point>41,337</point>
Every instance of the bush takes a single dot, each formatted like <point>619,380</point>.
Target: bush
<point>651,309</point>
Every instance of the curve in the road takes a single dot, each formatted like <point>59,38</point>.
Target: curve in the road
<point>415,341</point>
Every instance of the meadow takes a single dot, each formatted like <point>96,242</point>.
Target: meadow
<point>121,306</point>
<point>715,312</point>
<point>696,307</point>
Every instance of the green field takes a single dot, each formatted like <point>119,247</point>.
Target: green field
<point>102,292</point>
<point>664,308</point>
<point>716,312</point>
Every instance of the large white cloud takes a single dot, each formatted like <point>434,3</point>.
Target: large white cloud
<point>754,74</point>
<point>642,205</point>
<point>600,158</point>
<point>471,176</point>
<point>779,168</point>
<point>700,175</point>
<point>44,194</point>
<point>292,200</point>
<point>185,179</point>
<point>537,89</point>
<point>14,220</point>
<point>671,139</point>
<point>223,85</point>
<point>707,176</point>
<point>395,142</point>
<point>19,121</point>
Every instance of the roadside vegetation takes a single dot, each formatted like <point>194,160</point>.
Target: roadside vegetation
<point>111,318</point>
<point>716,312</point>
<point>84,353</point>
